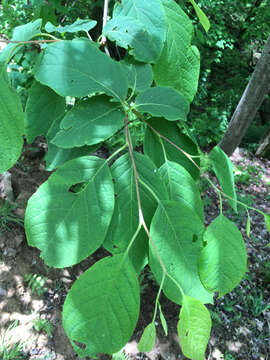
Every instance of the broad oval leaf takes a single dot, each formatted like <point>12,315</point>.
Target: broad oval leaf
<point>101,309</point>
<point>162,101</point>
<point>130,34</point>
<point>223,169</point>
<point>177,231</point>
<point>179,63</point>
<point>125,218</point>
<point>11,126</point>
<point>181,186</point>
<point>68,226</point>
<point>140,76</point>
<point>154,149</point>
<point>79,68</point>
<point>223,260</point>
<point>89,122</point>
<point>78,25</point>
<point>152,17</point>
<point>43,106</point>
<point>194,328</point>
<point>148,338</point>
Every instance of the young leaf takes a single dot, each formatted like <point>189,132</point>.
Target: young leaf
<point>194,328</point>
<point>176,231</point>
<point>248,225</point>
<point>163,320</point>
<point>68,226</point>
<point>179,63</point>
<point>130,34</point>
<point>222,261</point>
<point>223,169</point>
<point>181,186</point>
<point>43,106</point>
<point>164,102</point>
<point>20,33</point>
<point>11,126</point>
<point>101,309</point>
<point>89,122</point>
<point>78,25</point>
<point>153,147</point>
<point>150,14</point>
<point>79,68</point>
<point>201,15</point>
<point>148,339</point>
<point>125,218</point>
<point>267,221</point>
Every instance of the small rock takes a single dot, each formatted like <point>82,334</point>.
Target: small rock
<point>9,252</point>
<point>3,292</point>
<point>20,212</point>
<point>6,191</point>
<point>18,239</point>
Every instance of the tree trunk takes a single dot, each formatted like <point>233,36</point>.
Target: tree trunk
<point>264,147</point>
<point>251,100</point>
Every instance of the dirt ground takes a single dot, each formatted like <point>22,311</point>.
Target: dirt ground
<point>241,320</point>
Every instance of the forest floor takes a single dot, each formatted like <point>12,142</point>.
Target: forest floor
<point>32,295</point>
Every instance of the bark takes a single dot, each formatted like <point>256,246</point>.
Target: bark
<point>264,147</point>
<point>251,100</point>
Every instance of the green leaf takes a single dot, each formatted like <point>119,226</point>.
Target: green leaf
<point>79,68</point>
<point>90,122</point>
<point>163,320</point>
<point>267,221</point>
<point>130,34</point>
<point>153,146</point>
<point>125,218</point>
<point>11,126</point>
<point>223,169</point>
<point>222,261</point>
<point>179,63</point>
<point>164,102</point>
<point>78,25</point>
<point>20,33</point>
<point>148,338</point>
<point>177,231</point>
<point>150,16</point>
<point>68,226</point>
<point>140,76</point>
<point>101,309</point>
<point>201,15</point>
<point>248,225</point>
<point>43,106</point>
<point>194,328</point>
<point>181,186</point>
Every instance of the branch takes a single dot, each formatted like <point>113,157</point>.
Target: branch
<point>105,15</point>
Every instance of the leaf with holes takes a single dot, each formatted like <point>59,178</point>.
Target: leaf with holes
<point>78,25</point>
<point>89,122</point>
<point>154,146</point>
<point>179,63</point>
<point>223,260</point>
<point>194,328</point>
<point>176,231</point>
<point>79,68</point>
<point>147,15</point>
<point>164,102</point>
<point>68,226</point>
<point>101,309</point>
<point>11,126</point>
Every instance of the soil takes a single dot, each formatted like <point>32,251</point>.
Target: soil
<point>241,320</point>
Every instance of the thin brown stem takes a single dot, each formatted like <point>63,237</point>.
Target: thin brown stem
<point>105,16</point>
